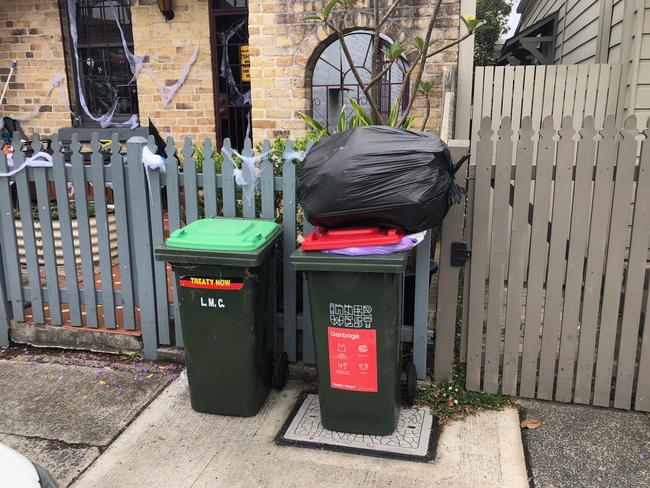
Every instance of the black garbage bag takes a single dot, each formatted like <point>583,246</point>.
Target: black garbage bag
<point>378,176</point>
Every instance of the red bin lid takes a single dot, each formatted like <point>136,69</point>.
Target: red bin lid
<point>323,239</point>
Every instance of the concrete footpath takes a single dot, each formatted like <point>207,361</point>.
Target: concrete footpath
<point>62,409</point>
<point>170,445</point>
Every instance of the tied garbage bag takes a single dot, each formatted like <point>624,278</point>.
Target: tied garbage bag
<point>378,176</point>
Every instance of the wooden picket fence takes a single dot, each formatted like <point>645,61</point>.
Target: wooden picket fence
<point>557,304</point>
<point>93,286</point>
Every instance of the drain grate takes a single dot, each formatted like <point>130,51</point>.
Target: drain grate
<point>414,439</point>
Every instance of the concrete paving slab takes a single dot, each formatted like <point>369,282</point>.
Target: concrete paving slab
<point>63,461</point>
<point>73,404</point>
<point>170,445</point>
<point>580,446</point>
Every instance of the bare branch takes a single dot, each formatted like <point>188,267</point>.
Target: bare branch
<point>389,12</point>
<point>451,44</point>
<point>346,51</point>
<point>381,74</point>
<point>405,82</point>
<point>374,62</point>
<point>427,113</point>
<point>422,62</point>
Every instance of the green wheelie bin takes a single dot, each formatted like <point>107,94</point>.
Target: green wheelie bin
<point>225,280</point>
<point>356,314</point>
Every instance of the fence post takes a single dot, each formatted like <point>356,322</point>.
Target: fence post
<point>4,306</point>
<point>140,235</point>
<point>452,230</point>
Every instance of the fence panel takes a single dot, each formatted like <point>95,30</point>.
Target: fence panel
<point>623,188</point>
<point>580,258</point>
<point>103,237</point>
<point>555,278</point>
<point>174,216</point>
<point>47,236</point>
<point>9,246</point>
<point>288,247</point>
<point>143,252</point>
<point>560,90</point>
<point>34,293</point>
<point>125,266</point>
<point>447,301</point>
<point>578,242</point>
<point>87,259</point>
<point>109,245</point>
<point>157,226</point>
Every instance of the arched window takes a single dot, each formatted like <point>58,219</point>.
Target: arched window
<point>334,83</point>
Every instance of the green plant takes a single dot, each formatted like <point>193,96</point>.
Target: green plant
<point>495,13</point>
<point>54,210</point>
<point>450,400</point>
<point>357,118</point>
<point>418,50</point>
<point>199,157</point>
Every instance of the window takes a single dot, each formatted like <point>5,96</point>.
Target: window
<point>225,4</point>
<point>333,82</point>
<point>103,68</point>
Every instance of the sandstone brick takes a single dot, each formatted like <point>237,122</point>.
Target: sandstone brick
<point>281,47</point>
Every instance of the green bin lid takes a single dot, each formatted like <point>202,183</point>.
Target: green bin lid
<point>221,234</point>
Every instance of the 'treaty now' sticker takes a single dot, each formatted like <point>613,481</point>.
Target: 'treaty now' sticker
<point>212,283</point>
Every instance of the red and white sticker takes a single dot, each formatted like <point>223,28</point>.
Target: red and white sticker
<point>211,283</point>
<point>353,359</point>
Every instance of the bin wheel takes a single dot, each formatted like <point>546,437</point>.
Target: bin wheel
<point>280,371</point>
<point>411,384</point>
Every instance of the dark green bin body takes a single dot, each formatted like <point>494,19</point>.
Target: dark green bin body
<point>375,281</point>
<point>228,351</point>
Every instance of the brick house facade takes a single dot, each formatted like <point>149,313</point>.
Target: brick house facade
<point>283,50</point>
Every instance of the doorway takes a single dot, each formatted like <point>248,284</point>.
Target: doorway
<point>231,70</point>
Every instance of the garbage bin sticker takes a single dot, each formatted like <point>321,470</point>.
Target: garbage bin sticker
<point>353,316</point>
<point>353,359</point>
<point>212,283</point>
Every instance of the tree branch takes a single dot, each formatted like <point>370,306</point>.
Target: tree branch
<point>422,62</point>
<point>427,113</point>
<point>381,74</point>
<point>388,13</point>
<point>405,82</point>
<point>339,32</point>
<point>451,44</point>
<point>374,62</point>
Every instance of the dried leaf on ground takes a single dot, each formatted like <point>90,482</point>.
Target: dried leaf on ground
<point>530,423</point>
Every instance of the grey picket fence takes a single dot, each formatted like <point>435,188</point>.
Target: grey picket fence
<point>94,269</point>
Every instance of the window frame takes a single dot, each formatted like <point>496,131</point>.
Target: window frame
<point>72,69</point>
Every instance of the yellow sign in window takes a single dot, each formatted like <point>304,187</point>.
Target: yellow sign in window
<point>245,61</point>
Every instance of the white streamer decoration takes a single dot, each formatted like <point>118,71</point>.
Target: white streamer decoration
<point>38,160</point>
<point>249,187</point>
<point>297,155</point>
<point>57,82</point>
<point>152,162</point>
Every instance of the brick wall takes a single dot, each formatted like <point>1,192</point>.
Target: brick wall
<point>30,32</point>
<point>282,47</point>
<point>282,53</point>
<point>169,46</point>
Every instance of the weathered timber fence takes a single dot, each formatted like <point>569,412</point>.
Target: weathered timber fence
<point>88,287</point>
<point>558,295</point>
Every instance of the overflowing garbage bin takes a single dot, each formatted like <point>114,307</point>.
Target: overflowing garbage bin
<point>356,314</point>
<point>224,269</point>
<point>372,192</point>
